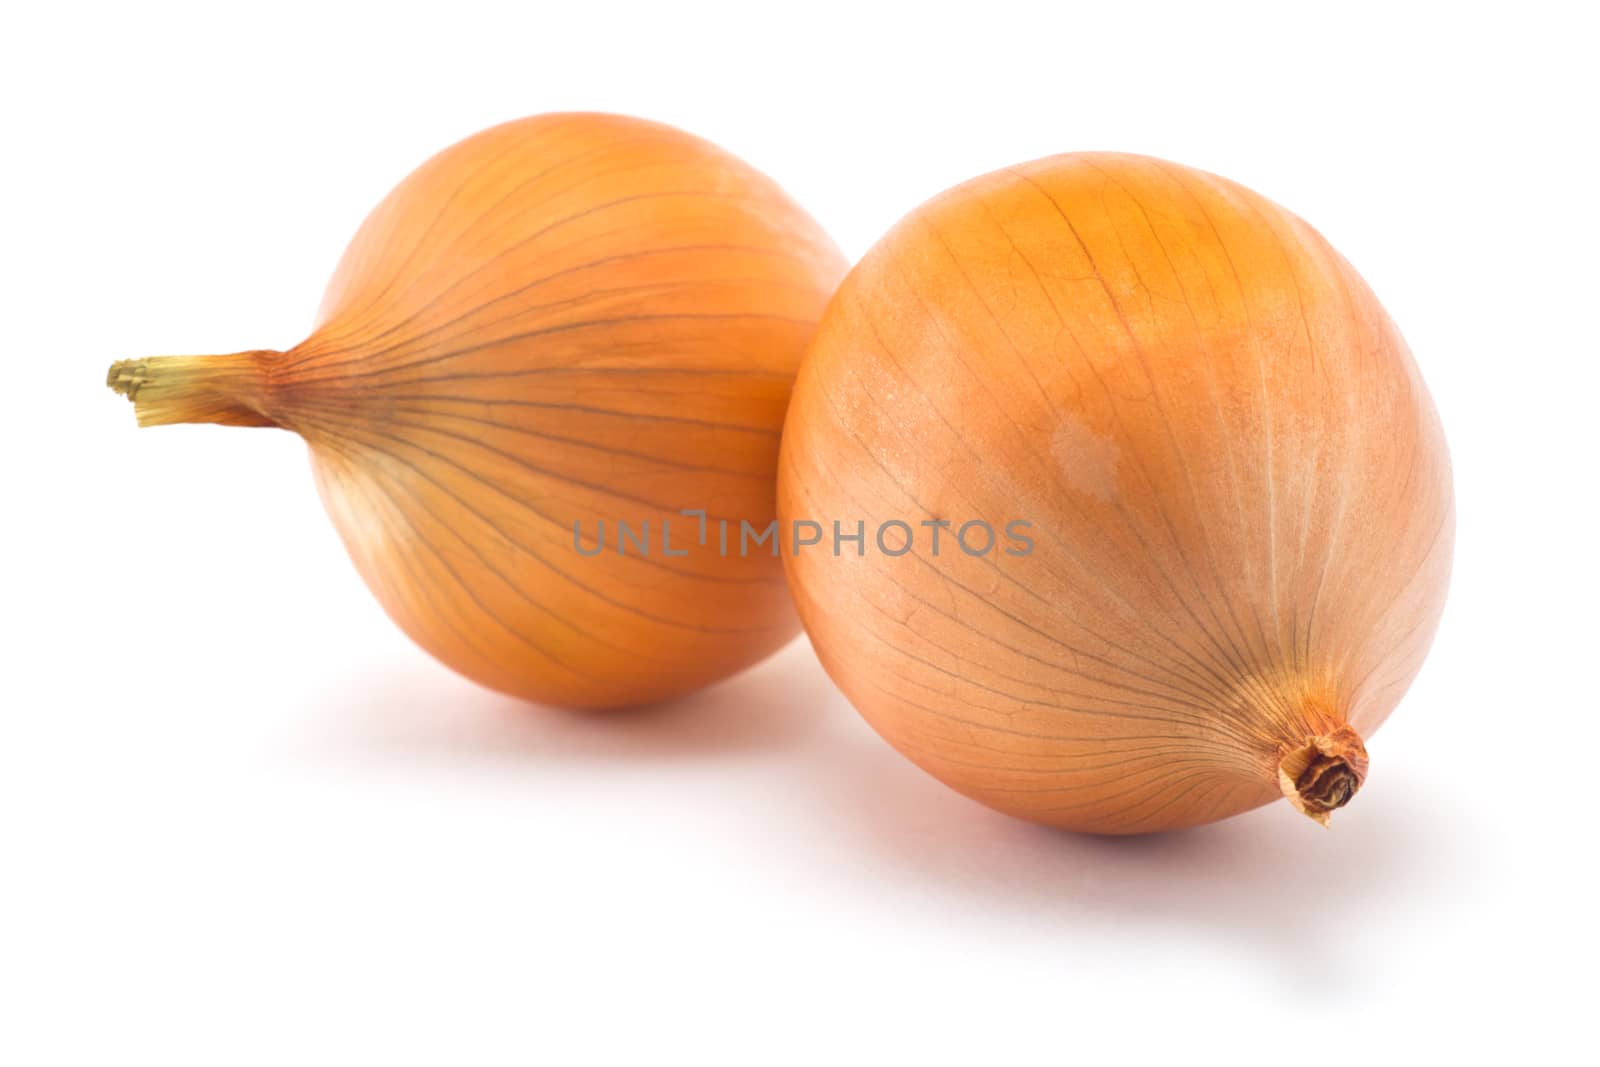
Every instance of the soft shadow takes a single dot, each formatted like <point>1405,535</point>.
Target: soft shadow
<point>1269,883</point>
<point>431,715</point>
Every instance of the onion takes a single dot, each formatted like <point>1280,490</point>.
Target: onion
<point>557,326</point>
<point>1231,487</point>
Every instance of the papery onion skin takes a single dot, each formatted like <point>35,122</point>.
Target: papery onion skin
<point>1239,489</point>
<point>567,319</point>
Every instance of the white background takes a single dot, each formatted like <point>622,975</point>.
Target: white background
<point>243,820</point>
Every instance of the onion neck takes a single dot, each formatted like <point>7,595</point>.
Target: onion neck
<point>232,390</point>
<point>1322,773</point>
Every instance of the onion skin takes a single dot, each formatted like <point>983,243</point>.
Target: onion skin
<point>570,318</point>
<point>1238,484</point>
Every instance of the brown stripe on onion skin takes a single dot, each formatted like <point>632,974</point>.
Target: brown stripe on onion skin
<point>566,319</point>
<point>1239,491</point>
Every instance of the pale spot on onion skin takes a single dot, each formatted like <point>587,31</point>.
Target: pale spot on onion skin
<point>1089,462</point>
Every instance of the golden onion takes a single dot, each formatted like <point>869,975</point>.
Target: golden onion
<point>1231,488</point>
<point>562,326</point>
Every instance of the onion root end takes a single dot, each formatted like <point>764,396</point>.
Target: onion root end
<point>1320,775</point>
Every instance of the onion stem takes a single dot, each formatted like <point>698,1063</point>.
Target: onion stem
<point>231,390</point>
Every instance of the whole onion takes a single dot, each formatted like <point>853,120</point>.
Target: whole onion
<point>547,342</point>
<point>1216,493</point>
